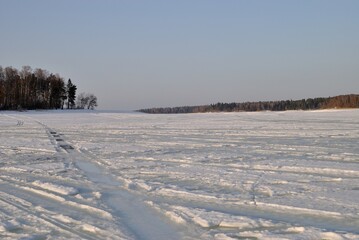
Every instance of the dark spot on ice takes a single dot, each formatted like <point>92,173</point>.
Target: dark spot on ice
<point>66,147</point>
<point>59,140</point>
<point>355,188</point>
<point>53,132</point>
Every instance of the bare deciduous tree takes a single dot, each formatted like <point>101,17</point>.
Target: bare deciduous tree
<point>86,100</point>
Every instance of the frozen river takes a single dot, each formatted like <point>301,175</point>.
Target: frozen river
<point>98,175</point>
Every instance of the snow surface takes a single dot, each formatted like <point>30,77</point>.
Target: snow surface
<point>108,175</point>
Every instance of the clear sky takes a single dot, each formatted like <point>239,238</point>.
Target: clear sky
<point>138,54</point>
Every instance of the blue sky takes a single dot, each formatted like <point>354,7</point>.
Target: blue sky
<point>137,54</point>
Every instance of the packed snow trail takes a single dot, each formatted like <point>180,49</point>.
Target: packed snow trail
<point>144,223</point>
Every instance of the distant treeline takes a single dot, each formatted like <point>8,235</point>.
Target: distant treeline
<point>343,101</point>
<point>39,89</point>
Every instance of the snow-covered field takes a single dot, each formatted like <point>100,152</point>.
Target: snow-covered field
<point>98,175</point>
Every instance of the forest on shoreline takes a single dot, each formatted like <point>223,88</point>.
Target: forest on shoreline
<point>28,89</point>
<point>342,101</point>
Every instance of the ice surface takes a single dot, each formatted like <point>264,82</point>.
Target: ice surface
<point>264,175</point>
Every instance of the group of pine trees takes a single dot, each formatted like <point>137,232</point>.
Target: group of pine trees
<point>38,89</point>
<point>343,101</point>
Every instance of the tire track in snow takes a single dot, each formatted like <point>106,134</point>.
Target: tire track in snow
<point>296,170</point>
<point>52,196</point>
<point>142,221</point>
<point>282,213</point>
<point>32,196</point>
<point>57,224</point>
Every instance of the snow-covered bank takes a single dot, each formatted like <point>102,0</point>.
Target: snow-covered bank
<point>282,175</point>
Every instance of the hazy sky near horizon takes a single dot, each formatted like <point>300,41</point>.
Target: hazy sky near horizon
<point>138,54</point>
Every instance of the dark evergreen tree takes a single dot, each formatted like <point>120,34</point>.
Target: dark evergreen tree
<point>71,94</point>
<point>57,91</point>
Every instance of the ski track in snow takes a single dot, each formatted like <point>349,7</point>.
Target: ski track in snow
<point>267,175</point>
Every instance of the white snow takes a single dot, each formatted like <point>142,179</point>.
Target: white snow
<point>102,175</point>
<point>10,226</point>
<point>64,190</point>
